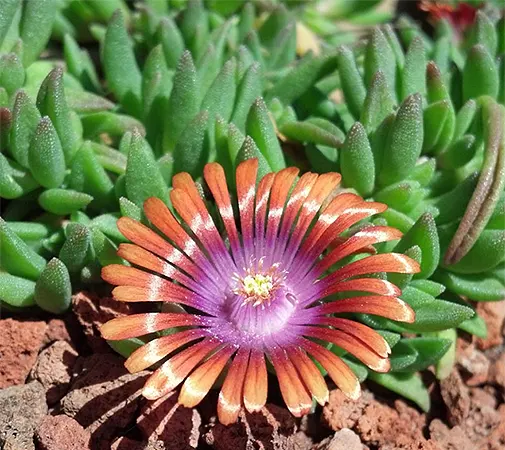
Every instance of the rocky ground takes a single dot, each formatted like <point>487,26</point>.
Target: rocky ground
<point>62,388</point>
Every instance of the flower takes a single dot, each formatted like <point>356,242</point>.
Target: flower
<point>261,294</point>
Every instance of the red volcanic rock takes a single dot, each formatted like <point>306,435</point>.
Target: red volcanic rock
<point>20,342</point>
<point>377,424</point>
<point>56,331</point>
<point>54,369</point>
<point>341,412</point>
<point>61,433</point>
<point>271,428</point>
<point>165,420</point>
<point>22,408</point>
<point>494,315</point>
<point>103,397</point>
<point>92,312</point>
<point>344,439</point>
<point>449,438</point>
<point>473,362</point>
<point>124,443</point>
<point>497,372</point>
<point>456,398</point>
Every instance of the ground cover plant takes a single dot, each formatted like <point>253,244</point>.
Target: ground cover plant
<point>133,139</point>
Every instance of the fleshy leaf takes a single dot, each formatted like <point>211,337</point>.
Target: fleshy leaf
<point>53,290</point>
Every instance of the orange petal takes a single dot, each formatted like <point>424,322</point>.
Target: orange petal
<point>279,193</point>
<point>372,285</point>
<point>384,262</point>
<point>323,187</point>
<point>256,384</point>
<point>293,391</point>
<point>173,371</point>
<point>369,336</point>
<point>363,238</point>
<point>198,384</point>
<point>140,324</point>
<point>262,196</point>
<point>146,238</point>
<point>216,181</point>
<point>246,175</point>
<point>384,306</point>
<point>339,372</point>
<point>163,219</point>
<point>230,397</point>
<point>157,349</point>
<point>330,214</point>
<point>350,344</point>
<point>296,200</point>
<point>309,373</point>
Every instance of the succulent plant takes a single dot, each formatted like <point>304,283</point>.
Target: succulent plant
<point>413,122</point>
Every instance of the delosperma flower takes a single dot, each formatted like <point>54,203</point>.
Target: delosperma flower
<point>262,290</point>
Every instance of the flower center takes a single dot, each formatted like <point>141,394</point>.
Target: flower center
<point>256,289</point>
<point>257,286</point>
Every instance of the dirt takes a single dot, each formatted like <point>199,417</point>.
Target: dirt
<point>65,389</point>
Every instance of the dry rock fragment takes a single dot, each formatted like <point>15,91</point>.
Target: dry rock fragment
<point>22,408</point>
<point>61,433</point>
<point>20,342</point>
<point>54,369</point>
<point>103,397</point>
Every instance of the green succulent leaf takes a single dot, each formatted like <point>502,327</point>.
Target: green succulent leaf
<point>183,103</point>
<point>104,249</point>
<point>249,89</point>
<point>16,291</point>
<point>380,56</point>
<point>171,41</point>
<point>484,33</point>
<point>9,8</point>
<point>79,64</point>
<point>143,178</point>
<point>51,102</point>
<point>352,83</point>
<point>45,155</point>
<point>63,201</point>
<point>424,234</point>
<point>439,315</point>
<point>379,103</point>
<point>89,176</point>
<point>476,325</point>
<point>428,351</point>
<point>53,290</point>
<point>12,73</point>
<point>120,67</point>
<point>111,123</point>
<point>480,66</point>
<point>250,150</point>
<point>481,287</point>
<point>409,385</point>
<point>405,141</point>
<point>413,80</point>
<point>311,132</point>
<point>445,364</point>
<point>192,151</point>
<point>35,28</point>
<point>403,356</point>
<point>260,128</point>
<point>75,251</point>
<point>125,347</point>
<point>464,118</point>
<point>357,162</point>
<point>25,119</point>
<point>129,209</point>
